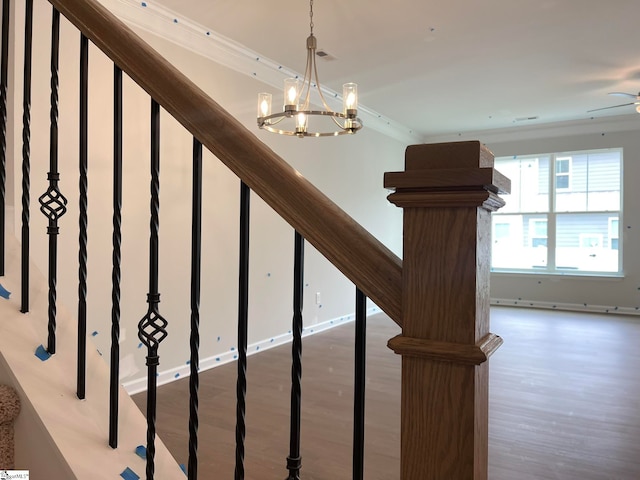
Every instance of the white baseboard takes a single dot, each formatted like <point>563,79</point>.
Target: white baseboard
<point>574,307</point>
<point>171,375</point>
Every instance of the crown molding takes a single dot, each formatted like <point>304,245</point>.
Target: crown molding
<point>593,125</point>
<point>222,50</point>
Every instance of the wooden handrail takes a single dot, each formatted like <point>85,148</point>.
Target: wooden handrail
<point>353,250</point>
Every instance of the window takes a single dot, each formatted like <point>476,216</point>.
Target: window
<point>614,232</point>
<point>562,215</point>
<point>538,232</point>
<point>563,172</point>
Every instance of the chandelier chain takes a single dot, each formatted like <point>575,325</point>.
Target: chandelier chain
<point>311,16</point>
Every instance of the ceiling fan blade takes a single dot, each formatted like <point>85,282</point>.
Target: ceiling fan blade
<point>615,106</point>
<point>622,94</point>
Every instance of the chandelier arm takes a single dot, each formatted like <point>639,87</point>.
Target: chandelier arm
<point>275,119</point>
<point>308,72</point>
<point>324,102</point>
<point>337,122</point>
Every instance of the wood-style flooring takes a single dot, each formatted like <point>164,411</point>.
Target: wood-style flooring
<point>564,403</point>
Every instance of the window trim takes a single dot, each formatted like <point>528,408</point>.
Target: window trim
<point>568,173</point>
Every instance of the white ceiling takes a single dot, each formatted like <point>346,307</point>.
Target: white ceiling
<point>457,66</point>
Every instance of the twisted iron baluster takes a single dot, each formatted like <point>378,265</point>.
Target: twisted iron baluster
<point>243,309</point>
<point>116,257</point>
<point>152,327</point>
<point>52,203</point>
<point>196,248</point>
<point>359,391</point>
<point>26,154</point>
<point>4,70</point>
<point>294,462</point>
<point>82,221</point>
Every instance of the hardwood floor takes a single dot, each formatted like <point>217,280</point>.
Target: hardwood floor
<point>564,403</point>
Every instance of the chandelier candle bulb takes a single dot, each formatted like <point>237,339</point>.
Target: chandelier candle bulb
<point>350,99</point>
<point>301,123</point>
<point>264,105</point>
<point>291,93</point>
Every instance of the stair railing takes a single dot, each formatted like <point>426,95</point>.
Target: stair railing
<point>439,295</point>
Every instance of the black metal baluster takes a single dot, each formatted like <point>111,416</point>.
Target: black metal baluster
<point>82,222</point>
<point>116,257</point>
<point>26,154</point>
<point>52,203</point>
<point>196,249</point>
<point>152,327</point>
<point>243,315</point>
<point>4,71</point>
<point>294,462</point>
<point>360,381</point>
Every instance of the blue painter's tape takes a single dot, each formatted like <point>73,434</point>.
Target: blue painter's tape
<point>129,474</point>
<point>42,353</point>
<point>144,4</point>
<point>94,334</point>
<point>141,451</point>
<point>4,293</point>
<point>183,468</point>
<point>177,375</point>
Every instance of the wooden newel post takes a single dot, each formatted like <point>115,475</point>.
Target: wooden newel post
<point>447,191</point>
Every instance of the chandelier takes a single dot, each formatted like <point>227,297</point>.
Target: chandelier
<point>296,114</point>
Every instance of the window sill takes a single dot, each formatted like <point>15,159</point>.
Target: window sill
<point>572,275</point>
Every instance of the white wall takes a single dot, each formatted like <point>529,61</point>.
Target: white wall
<point>348,169</point>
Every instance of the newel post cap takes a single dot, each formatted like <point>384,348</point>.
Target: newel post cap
<point>454,174</point>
